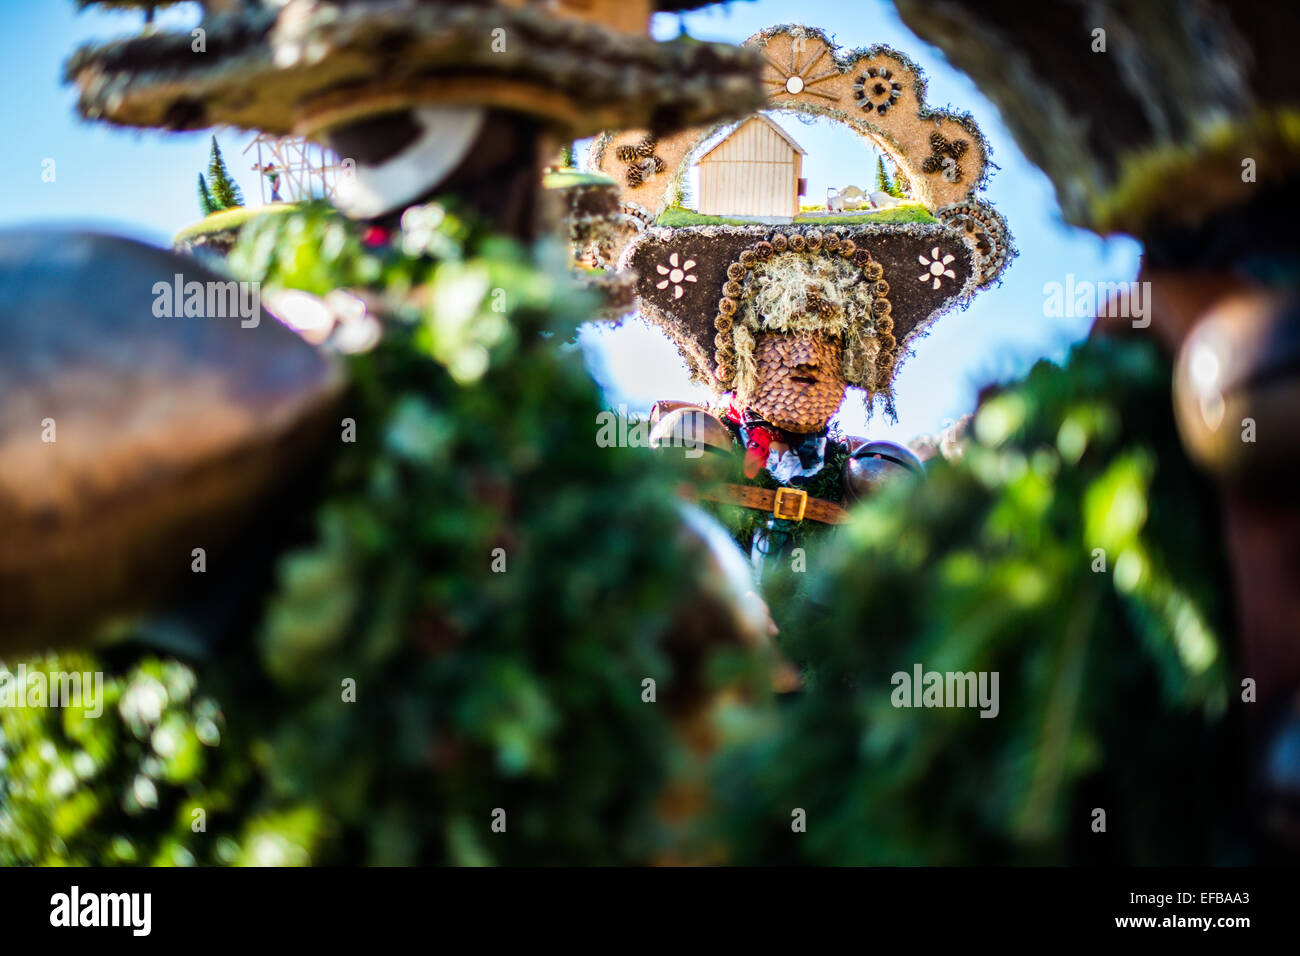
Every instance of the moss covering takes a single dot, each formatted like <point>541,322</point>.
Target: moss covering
<point>676,217</point>
<point>777,299</point>
<point>228,219</point>
<point>568,178</point>
<point>905,212</point>
<point>1187,183</point>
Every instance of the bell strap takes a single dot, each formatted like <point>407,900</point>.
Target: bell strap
<point>789,504</point>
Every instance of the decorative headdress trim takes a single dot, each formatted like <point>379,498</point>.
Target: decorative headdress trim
<point>715,319</point>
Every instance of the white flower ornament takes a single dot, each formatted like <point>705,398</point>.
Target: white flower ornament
<point>937,267</point>
<point>676,275</point>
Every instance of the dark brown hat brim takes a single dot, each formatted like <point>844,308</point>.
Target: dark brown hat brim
<point>689,318</point>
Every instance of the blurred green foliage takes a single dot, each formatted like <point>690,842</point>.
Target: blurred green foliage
<point>1113,678</point>
<point>475,688</point>
<point>520,690</point>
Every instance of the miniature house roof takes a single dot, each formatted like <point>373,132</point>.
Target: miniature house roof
<point>758,118</point>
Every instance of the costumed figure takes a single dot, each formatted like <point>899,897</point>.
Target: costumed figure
<point>778,320</point>
<point>790,356</point>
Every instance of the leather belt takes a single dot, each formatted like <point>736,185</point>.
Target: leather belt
<point>789,504</point>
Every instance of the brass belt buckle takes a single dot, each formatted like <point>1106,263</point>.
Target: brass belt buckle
<point>777,505</point>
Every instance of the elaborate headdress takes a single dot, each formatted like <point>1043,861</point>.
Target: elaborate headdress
<point>714,289</point>
<point>872,286</point>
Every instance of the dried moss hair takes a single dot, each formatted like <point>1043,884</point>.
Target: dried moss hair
<point>806,282</point>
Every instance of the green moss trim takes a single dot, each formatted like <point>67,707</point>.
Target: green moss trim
<point>678,218</point>
<point>1188,182</point>
<point>907,212</point>
<point>228,219</point>
<point>568,178</point>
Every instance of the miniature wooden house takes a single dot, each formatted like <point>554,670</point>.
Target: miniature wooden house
<point>626,16</point>
<point>756,171</point>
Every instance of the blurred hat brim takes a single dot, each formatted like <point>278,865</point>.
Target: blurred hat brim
<point>313,65</point>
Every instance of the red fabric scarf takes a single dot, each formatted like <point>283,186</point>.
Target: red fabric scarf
<point>759,443</point>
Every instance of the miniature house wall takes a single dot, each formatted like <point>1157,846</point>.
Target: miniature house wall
<point>753,172</point>
<point>626,16</point>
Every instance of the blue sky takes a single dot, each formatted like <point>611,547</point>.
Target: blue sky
<point>143,184</point>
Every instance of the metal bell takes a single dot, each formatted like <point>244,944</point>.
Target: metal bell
<point>1237,387</point>
<point>875,463</point>
<point>699,437</point>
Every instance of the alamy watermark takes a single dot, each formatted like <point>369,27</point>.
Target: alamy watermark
<point>616,429</point>
<point>131,911</point>
<point>923,688</point>
<point>38,688</point>
<point>213,299</point>
<point>1083,299</point>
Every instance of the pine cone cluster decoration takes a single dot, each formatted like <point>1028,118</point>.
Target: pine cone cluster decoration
<point>640,160</point>
<point>944,154</point>
<point>956,149</point>
<point>817,304</point>
<point>988,231</point>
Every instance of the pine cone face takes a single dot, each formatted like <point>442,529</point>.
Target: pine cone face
<point>800,382</point>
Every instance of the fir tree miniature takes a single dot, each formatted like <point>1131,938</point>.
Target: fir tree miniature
<point>882,177</point>
<point>206,205</point>
<point>224,191</point>
<point>891,186</point>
